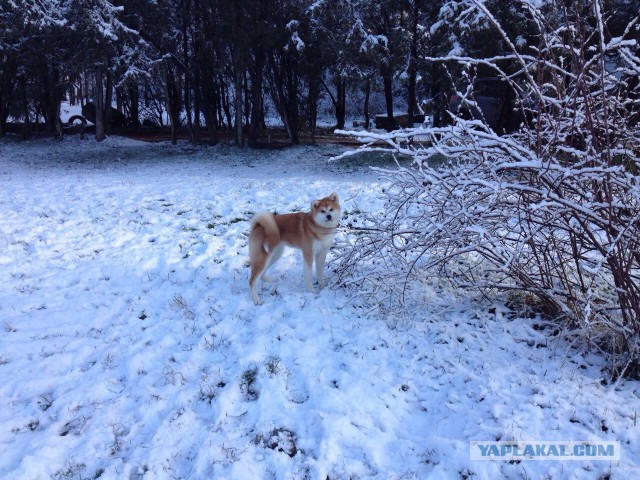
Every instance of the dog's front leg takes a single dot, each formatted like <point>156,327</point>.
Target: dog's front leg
<point>321,256</point>
<point>308,264</point>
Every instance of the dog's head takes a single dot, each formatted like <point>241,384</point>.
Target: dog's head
<point>326,211</point>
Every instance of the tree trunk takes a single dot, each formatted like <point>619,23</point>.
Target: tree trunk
<point>292,106</point>
<point>247,99</point>
<point>196,109</point>
<point>55,93</point>
<point>108,100</point>
<point>50,80</point>
<point>210,104</point>
<point>187,108</point>
<point>80,98</point>
<point>256,96</point>
<point>238,102</point>
<point>226,103</point>
<point>314,93</point>
<point>186,5</point>
<point>59,131</point>
<point>3,113</point>
<point>7,76</point>
<point>87,92</point>
<point>134,96</point>
<point>341,102</point>
<point>72,93</point>
<point>412,69</point>
<point>99,103</point>
<point>171,93</point>
<point>210,119</point>
<point>367,95</point>
<point>388,99</point>
<point>26,127</point>
<point>283,83</point>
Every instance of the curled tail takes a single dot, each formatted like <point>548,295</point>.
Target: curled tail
<point>265,234</point>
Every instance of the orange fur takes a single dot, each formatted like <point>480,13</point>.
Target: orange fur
<point>312,232</point>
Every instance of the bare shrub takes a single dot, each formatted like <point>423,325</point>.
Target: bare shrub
<point>552,209</point>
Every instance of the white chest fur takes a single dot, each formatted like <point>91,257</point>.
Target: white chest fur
<point>324,243</point>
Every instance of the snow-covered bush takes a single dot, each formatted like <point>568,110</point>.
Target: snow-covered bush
<point>551,210</point>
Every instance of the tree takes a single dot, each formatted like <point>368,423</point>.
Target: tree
<point>383,19</point>
<point>104,38</point>
<point>419,16</point>
<point>284,65</point>
<point>31,74</point>
<point>550,212</point>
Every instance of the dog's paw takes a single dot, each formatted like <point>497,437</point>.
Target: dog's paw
<point>256,298</point>
<point>268,279</point>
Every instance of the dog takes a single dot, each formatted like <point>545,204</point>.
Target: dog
<point>312,232</point>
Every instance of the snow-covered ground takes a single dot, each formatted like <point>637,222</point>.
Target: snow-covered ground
<point>130,349</point>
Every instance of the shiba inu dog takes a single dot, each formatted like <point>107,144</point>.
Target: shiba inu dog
<point>312,232</point>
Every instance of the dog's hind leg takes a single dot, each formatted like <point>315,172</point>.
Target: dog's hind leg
<point>257,269</point>
<point>259,257</point>
<point>274,256</point>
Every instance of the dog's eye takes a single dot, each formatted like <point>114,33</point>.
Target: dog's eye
<point>323,211</point>
<point>331,209</point>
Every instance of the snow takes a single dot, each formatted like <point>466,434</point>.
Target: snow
<point>130,348</point>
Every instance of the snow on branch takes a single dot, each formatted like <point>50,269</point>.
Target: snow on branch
<point>551,210</point>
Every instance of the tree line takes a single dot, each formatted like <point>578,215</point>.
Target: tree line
<point>213,64</point>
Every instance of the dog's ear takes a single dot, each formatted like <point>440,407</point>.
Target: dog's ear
<point>315,204</point>
<point>334,197</point>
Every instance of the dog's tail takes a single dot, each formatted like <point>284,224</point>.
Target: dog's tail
<point>265,234</point>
